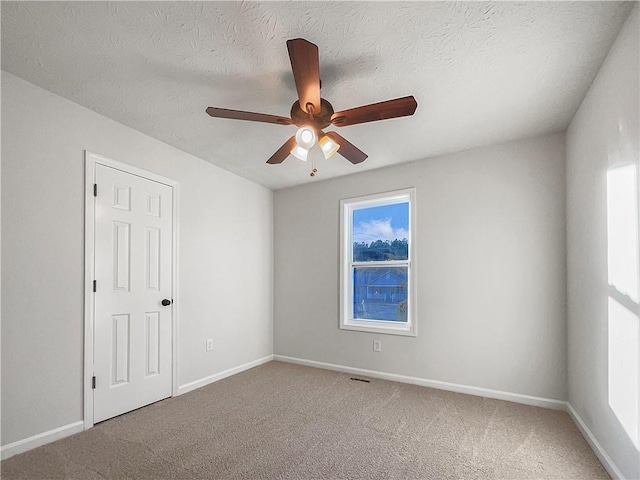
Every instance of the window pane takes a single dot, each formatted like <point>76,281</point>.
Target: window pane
<point>381,233</point>
<point>380,293</point>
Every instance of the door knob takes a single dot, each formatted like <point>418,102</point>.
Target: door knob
<point>166,302</point>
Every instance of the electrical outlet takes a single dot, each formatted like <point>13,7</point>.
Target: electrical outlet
<point>377,346</point>
<point>209,344</point>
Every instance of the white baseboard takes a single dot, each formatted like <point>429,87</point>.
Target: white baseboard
<point>600,452</point>
<point>423,382</point>
<point>187,387</point>
<point>30,443</point>
<point>40,439</point>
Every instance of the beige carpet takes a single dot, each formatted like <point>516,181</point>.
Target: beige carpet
<point>286,421</point>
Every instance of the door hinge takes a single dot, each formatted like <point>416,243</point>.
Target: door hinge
<point>95,189</point>
<point>93,382</point>
<point>95,286</point>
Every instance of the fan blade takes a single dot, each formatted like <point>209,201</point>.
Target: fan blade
<point>400,107</point>
<point>241,115</point>
<point>305,64</point>
<point>283,152</point>
<point>347,149</point>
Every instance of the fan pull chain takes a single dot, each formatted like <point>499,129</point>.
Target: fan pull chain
<point>314,170</point>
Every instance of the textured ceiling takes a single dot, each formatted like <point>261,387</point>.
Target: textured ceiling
<point>482,72</point>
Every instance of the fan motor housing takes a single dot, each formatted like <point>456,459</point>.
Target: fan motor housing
<point>318,120</point>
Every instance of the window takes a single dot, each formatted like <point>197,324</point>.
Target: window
<point>377,274</point>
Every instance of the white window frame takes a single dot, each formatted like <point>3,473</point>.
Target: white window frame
<point>347,322</point>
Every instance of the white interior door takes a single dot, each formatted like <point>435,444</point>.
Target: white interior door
<point>133,273</point>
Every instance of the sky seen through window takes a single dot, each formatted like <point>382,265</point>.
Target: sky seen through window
<point>386,223</point>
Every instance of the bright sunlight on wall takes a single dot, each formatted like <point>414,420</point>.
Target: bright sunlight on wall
<point>624,278</point>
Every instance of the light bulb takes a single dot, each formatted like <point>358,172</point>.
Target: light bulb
<point>306,137</point>
<point>329,146</point>
<point>300,153</point>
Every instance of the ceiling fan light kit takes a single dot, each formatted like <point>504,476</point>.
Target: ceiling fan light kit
<point>318,113</point>
<point>328,146</point>
<point>300,153</point>
<point>306,137</point>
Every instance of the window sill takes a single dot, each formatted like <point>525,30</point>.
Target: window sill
<point>384,328</point>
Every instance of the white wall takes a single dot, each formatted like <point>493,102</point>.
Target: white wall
<point>603,132</point>
<point>226,252</point>
<point>491,270</point>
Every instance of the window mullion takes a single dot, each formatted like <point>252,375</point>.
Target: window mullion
<point>385,263</point>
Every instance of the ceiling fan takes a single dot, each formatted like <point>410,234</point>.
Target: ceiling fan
<point>312,113</point>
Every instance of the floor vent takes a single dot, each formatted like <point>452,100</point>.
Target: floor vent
<point>360,380</point>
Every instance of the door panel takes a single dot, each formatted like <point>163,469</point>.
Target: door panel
<point>152,255</point>
<point>120,354</point>
<point>133,271</point>
<point>152,345</point>
<point>121,253</point>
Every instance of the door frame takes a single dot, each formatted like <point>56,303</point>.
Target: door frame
<point>91,161</point>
